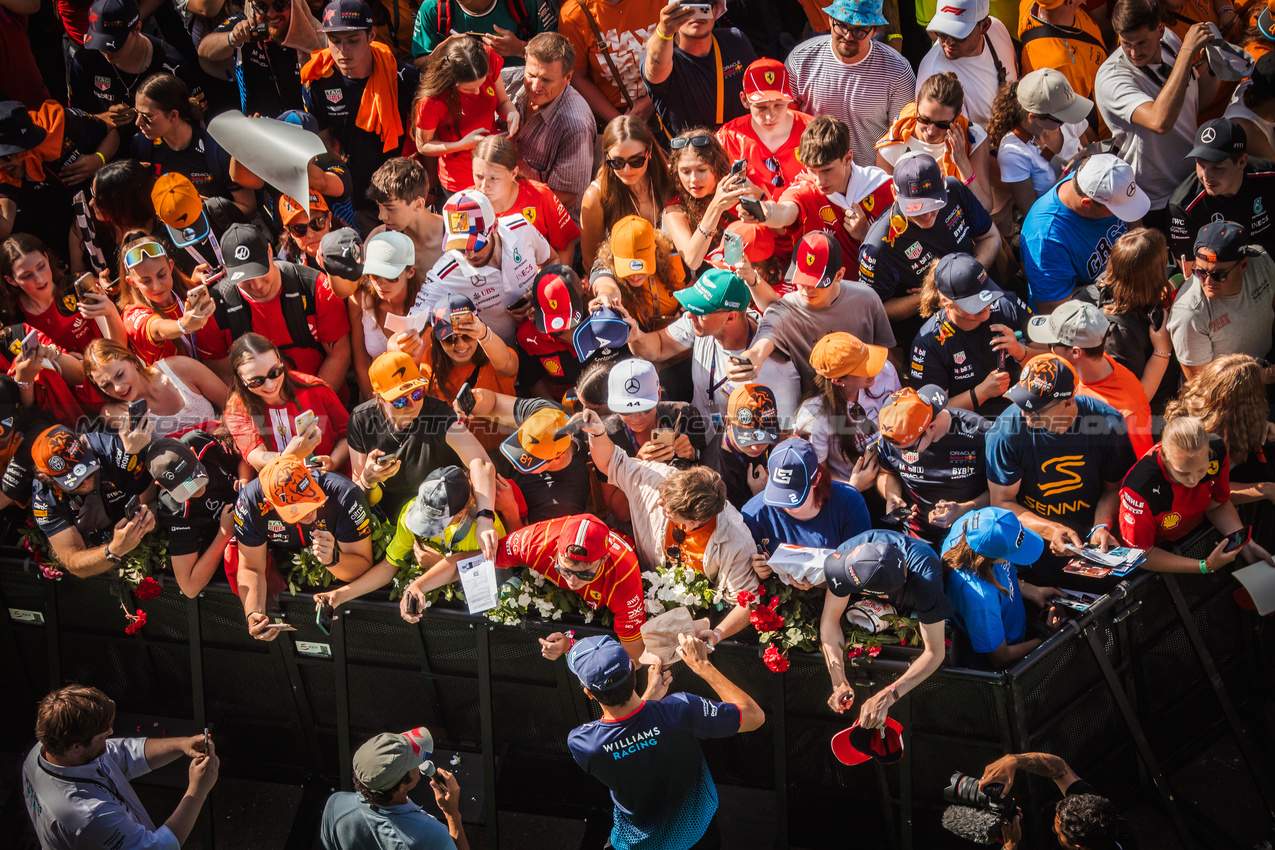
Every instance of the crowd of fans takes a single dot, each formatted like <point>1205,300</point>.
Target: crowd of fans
<point>601,288</point>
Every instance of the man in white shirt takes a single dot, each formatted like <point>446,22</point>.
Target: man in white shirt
<point>716,327</point>
<point>1150,100</point>
<point>850,75</point>
<point>969,42</point>
<point>492,262</point>
<point>76,781</point>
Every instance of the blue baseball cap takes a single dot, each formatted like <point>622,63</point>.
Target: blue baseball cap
<point>599,662</point>
<point>602,329</point>
<point>300,118</point>
<point>857,13</point>
<point>996,533</point>
<point>877,567</point>
<point>441,316</point>
<point>793,466</point>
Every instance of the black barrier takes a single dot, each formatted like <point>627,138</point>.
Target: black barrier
<point>1106,693</point>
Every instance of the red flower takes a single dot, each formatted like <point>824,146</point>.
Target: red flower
<point>874,652</point>
<point>774,602</point>
<point>765,619</point>
<point>947,642</point>
<point>136,621</point>
<point>50,573</point>
<point>903,641</point>
<point>775,660</point>
<point>148,589</point>
<point>744,599</point>
<point>854,652</point>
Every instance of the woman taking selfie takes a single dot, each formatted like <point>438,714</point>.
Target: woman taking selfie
<point>496,175</point>
<point>180,393</point>
<point>303,229</point>
<point>159,316</point>
<point>706,198</point>
<point>267,400</point>
<point>633,180</point>
<point>638,269</point>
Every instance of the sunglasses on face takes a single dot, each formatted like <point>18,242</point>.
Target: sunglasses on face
<point>260,380</point>
<point>694,141</point>
<point>944,38</point>
<point>581,575</point>
<point>617,164</point>
<point>146,118</point>
<point>1050,119</point>
<point>857,33</point>
<point>1219,275</point>
<point>314,225</point>
<point>930,122</point>
<point>456,339</point>
<point>278,7</point>
<point>139,254</point>
<point>404,400</point>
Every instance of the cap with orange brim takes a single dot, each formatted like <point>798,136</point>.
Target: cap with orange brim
<point>288,487</point>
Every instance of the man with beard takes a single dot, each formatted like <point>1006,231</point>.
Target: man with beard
<point>267,71</point>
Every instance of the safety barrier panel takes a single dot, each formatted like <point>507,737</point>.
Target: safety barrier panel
<point>1107,693</point>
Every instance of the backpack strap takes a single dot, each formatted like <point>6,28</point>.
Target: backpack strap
<point>1047,30</point>
<point>298,300</point>
<point>606,52</point>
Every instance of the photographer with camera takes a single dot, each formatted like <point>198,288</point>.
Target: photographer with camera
<point>1083,819</point>
<point>267,54</point>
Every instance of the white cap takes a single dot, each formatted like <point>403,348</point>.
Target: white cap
<point>387,253</point>
<point>633,386</point>
<point>1047,92</point>
<point>1108,179</point>
<point>958,18</point>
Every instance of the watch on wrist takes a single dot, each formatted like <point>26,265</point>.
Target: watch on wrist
<point>111,556</point>
<point>486,513</point>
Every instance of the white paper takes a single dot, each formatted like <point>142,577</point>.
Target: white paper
<point>403,324</point>
<point>801,562</point>
<point>1259,580</point>
<point>276,151</point>
<point>478,580</point>
<point>1119,556</point>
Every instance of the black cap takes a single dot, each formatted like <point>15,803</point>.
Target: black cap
<point>877,568</point>
<point>342,253</point>
<point>1263,79</point>
<point>963,279</point>
<point>246,252</point>
<point>1221,242</point>
<point>1218,139</point>
<point>557,299</point>
<point>18,132</point>
<point>347,16</point>
<point>110,22</point>
<point>175,468</point>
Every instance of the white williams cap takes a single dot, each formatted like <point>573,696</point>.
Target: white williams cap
<point>633,386</point>
<point>1108,179</point>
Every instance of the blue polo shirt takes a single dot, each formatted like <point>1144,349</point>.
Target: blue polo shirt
<point>1063,250</point>
<point>350,823</point>
<point>843,516</point>
<point>651,760</point>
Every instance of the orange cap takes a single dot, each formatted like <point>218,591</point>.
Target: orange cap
<point>839,354</point>
<point>60,454</point>
<point>177,202</point>
<point>753,415</point>
<point>290,210</point>
<point>633,246</point>
<point>534,444</point>
<point>394,374</point>
<point>907,413</point>
<point>288,487</point>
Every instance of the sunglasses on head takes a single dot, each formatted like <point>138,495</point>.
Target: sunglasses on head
<point>260,380</point>
<point>139,254</point>
<point>617,164</point>
<point>694,141</point>
<point>930,122</point>
<point>407,398</point>
<point>314,225</point>
<point>279,6</point>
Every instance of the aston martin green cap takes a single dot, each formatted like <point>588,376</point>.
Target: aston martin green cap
<point>716,290</point>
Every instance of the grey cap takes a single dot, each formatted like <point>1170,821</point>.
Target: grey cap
<point>381,763</point>
<point>442,495</point>
<point>1077,323</point>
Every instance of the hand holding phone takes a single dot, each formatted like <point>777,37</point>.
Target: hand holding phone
<point>303,421</point>
<point>663,436</point>
<point>133,508</point>
<point>86,284</point>
<point>465,399</point>
<point>740,361</point>
<point>323,617</point>
<point>1238,539</point>
<point>30,345</point>
<point>753,207</point>
<point>136,412</point>
<point>732,248</point>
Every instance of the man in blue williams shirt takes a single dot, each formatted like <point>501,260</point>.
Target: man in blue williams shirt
<point>646,749</point>
<point>380,816</point>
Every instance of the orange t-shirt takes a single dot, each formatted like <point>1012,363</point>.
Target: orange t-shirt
<point>739,138</point>
<point>1124,392</point>
<point>626,27</point>
<point>477,112</point>
<point>487,432</point>
<point>1192,12</point>
<point>693,544</point>
<point>1075,59</point>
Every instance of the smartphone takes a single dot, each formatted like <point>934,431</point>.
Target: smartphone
<point>753,207</point>
<point>663,436</point>
<point>873,454</point>
<point>737,167</point>
<point>740,361</point>
<point>465,399</point>
<point>280,626</point>
<point>412,605</point>
<point>462,317</point>
<point>313,463</point>
<point>323,618</point>
<point>85,285</point>
<point>520,303</point>
<point>303,421</point>
<point>136,410</point>
<point>386,460</point>
<point>1156,316</point>
<point>214,276</point>
<point>898,516</point>
<point>1069,602</point>
<point>133,508</point>
<point>1237,539</point>
<point>570,429</point>
<point>207,739</point>
<point>1003,360</point>
<point>30,343</point>
<point>198,292</point>
<point>732,248</point>
<point>701,8</point>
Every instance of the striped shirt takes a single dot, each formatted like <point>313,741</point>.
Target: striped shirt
<point>866,95</point>
<point>557,141</point>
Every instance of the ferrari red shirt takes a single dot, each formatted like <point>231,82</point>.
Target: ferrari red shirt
<point>618,587</point>
<point>1155,509</point>
<point>540,206</point>
<point>871,189</point>
<point>771,170</point>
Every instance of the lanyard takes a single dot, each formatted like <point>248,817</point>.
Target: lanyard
<point>715,385</point>
<point>108,786</point>
<point>721,81</point>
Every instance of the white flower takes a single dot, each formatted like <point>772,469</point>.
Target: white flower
<point>557,615</point>
<point>540,581</point>
<point>664,595</point>
<point>524,600</point>
<point>456,759</point>
<point>690,575</point>
<point>588,615</point>
<point>652,608</point>
<point>689,599</point>
<point>680,589</point>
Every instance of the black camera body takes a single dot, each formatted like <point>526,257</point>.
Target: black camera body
<point>962,789</point>
<point>259,32</point>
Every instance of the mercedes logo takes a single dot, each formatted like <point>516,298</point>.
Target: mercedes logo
<point>631,386</point>
<point>1208,135</point>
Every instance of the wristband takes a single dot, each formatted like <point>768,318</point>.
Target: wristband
<point>894,691</point>
<point>718,632</point>
<point>1204,566</point>
<point>1102,525</point>
<point>708,234</point>
<point>571,639</point>
<point>662,35</point>
<point>974,397</point>
<point>1165,354</point>
<point>485,513</point>
<point>486,334</point>
<point>98,154</point>
<point>971,180</point>
<point>26,385</point>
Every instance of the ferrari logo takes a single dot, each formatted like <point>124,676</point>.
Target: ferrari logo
<point>810,259</point>
<point>868,203</point>
<point>529,213</point>
<point>770,77</point>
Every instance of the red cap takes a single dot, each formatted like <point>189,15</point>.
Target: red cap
<point>583,538</point>
<point>818,258</point>
<point>856,745</point>
<point>766,79</point>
